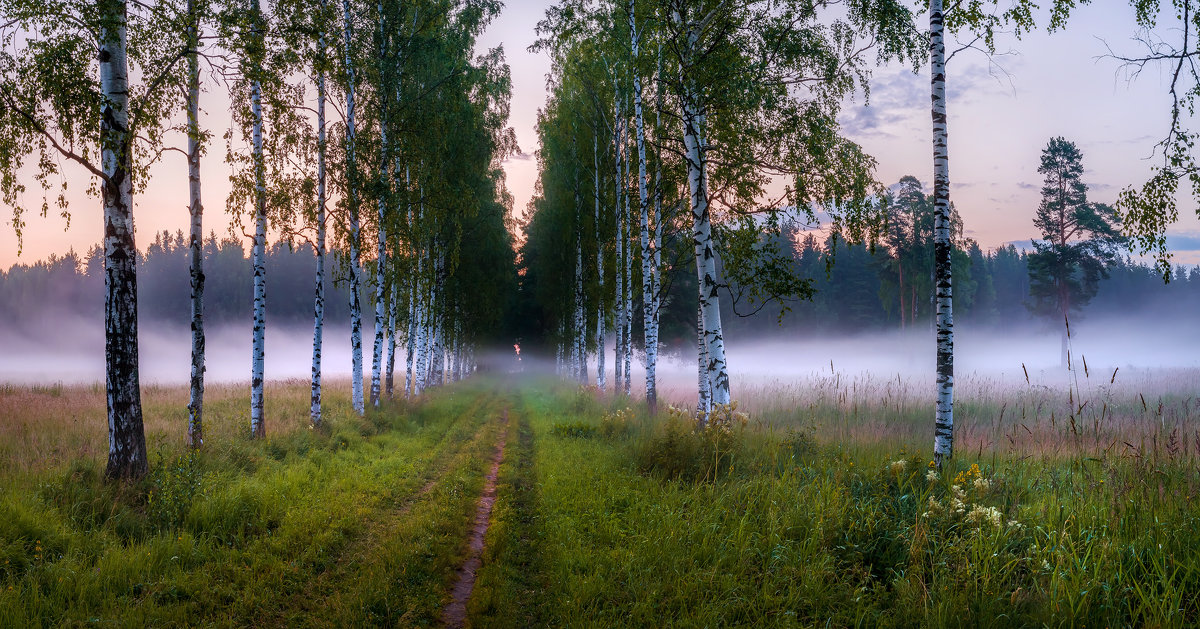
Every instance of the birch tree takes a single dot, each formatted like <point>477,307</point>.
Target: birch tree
<point>195,428</point>
<point>62,100</point>
<point>734,61</point>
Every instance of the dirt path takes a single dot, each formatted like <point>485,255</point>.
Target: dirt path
<point>455,615</point>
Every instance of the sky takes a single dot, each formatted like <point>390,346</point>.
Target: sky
<point>1002,113</point>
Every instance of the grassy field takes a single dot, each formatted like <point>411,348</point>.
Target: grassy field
<point>817,507</point>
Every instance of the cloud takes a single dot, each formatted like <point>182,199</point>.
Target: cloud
<point>896,97</point>
<point>1183,241</point>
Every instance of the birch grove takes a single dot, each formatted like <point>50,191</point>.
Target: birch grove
<point>730,86</point>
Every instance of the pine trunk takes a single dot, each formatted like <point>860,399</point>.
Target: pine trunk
<point>258,250</point>
<point>195,428</point>
<point>943,441</point>
<point>126,434</point>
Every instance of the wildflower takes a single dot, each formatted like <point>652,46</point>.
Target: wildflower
<point>932,476</point>
<point>958,492</point>
<point>980,514</point>
<point>898,466</point>
<point>1013,524</point>
<point>982,484</point>
<point>1045,565</point>
<point>957,505</point>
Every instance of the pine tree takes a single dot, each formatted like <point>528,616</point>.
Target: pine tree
<point>1079,240</point>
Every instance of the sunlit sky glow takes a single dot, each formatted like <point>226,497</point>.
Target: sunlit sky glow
<point>1001,116</point>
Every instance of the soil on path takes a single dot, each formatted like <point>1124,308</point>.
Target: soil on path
<point>455,615</point>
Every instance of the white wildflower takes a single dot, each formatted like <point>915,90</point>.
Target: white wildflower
<point>980,514</point>
<point>932,476</point>
<point>982,484</point>
<point>898,466</point>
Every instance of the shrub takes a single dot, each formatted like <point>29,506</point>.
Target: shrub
<point>616,423</point>
<point>173,488</point>
<point>679,449</point>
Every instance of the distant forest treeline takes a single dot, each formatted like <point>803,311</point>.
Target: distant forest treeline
<point>860,291</point>
<point>75,284</point>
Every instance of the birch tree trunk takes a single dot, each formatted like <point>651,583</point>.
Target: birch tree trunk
<point>390,378</point>
<point>706,265</point>
<point>319,290</point>
<point>380,267</point>
<point>704,392</point>
<point>195,429</point>
<point>619,295</point>
<point>601,377</point>
<point>258,250</point>
<point>126,434</point>
<point>627,297</point>
<point>580,321</point>
<point>943,440</point>
<point>649,334</point>
<point>352,207</point>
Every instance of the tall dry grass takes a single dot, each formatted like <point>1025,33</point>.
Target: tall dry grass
<point>1139,413</point>
<point>45,427</point>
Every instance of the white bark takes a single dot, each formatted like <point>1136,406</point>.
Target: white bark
<point>601,379</point>
<point>126,435</point>
<point>619,295</point>
<point>943,440</point>
<point>319,289</point>
<point>390,378</point>
<point>195,429</point>
<point>356,356</point>
<point>258,254</point>
<point>706,265</point>
<point>704,392</point>
<point>381,232</point>
<point>650,336</point>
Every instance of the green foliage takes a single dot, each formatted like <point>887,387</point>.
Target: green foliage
<point>1080,240</point>
<point>576,429</point>
<point>683,447</point>
<point>174,486</point>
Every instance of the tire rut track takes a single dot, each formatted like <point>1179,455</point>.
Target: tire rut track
<point>455,614</point>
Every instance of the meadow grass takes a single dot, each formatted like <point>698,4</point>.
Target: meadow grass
<point>817,508</point>
<point>358,523</point>
<point>648,522</point>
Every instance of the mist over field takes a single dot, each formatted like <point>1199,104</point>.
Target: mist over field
<point>71,351</point>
